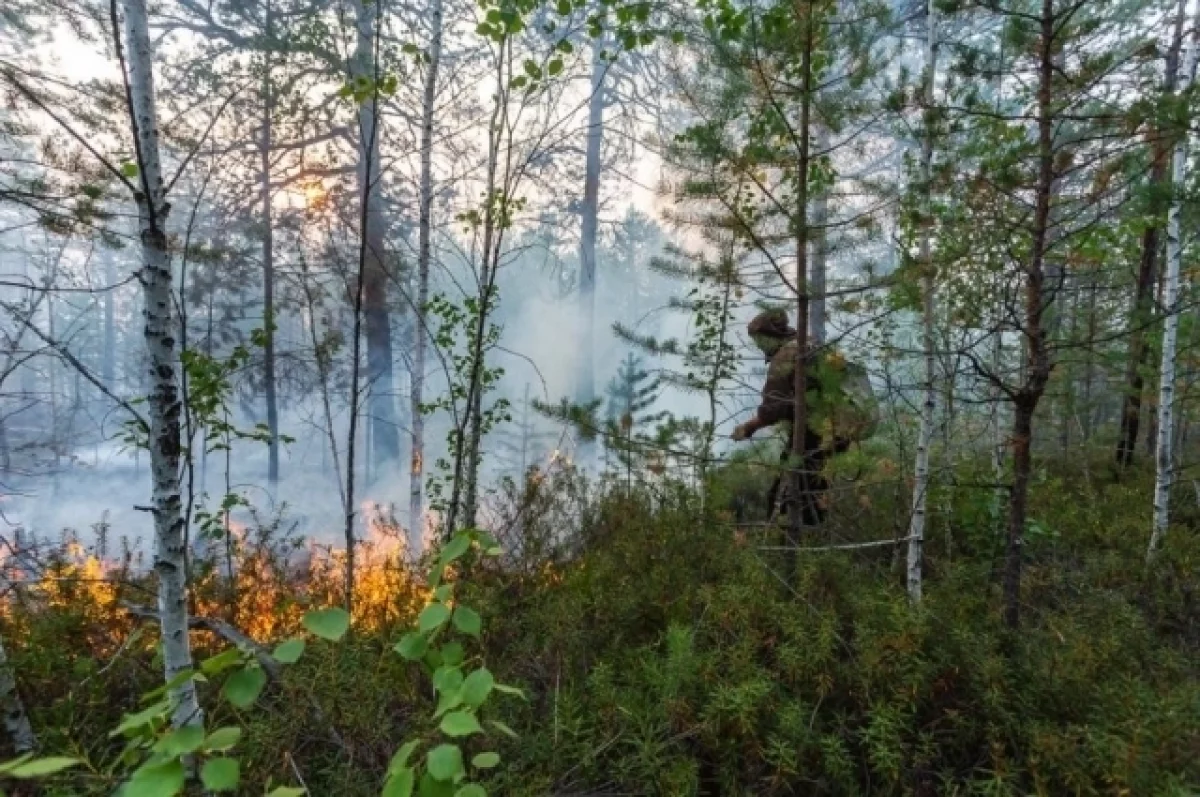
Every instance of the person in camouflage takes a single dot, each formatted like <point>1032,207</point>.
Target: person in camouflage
<point>770,332</point>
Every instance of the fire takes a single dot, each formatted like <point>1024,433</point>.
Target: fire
<point>273,582</point>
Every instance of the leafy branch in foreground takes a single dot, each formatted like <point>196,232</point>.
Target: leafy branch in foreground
<point>158,760</point>
<point>462,684</point>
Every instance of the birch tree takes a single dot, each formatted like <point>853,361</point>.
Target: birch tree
<point>916,529</point>
<point>165,406</point>
<point>1166,392</point>
<point>16,720</point>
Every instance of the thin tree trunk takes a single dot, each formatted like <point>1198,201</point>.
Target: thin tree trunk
<point>16,720</point>
<point>799,452</point>
<point>268,261</point>
<point>589,226</point>
<point>416,515</point>
<point>916,529</point>
<point>1131,405</point>
<point>1166,392</point>
<point>466,476</point>
<point>376,319</point>
<point>164,401</point>
<point>1037,370</point>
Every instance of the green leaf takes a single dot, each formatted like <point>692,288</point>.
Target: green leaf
<point>460,723</point>
<point>448,701</point>
<point>452,653</point>
<point>511,690</point>
<point>443,593</point>
<point>412,646</point>
<point>181,742</point>
<point>40,767</point>
<point>433,616</point>
<point>485,760</point>
<point>161,780</point>
<point>477,686</point>
<point>400,759</point>
<point>399,784</point>
<point>143,718</point>
<point>129,169</point>
<point>555,67</point>
<point>221,662</point>
<point>222,739</point>
<point>563,7</point>
<point>532,69</point>
<point>179,679</point>
<point>244,686</point>
<point>289,652</point>
<point>471,790</point>
<point>287,791</point>
<point>455,548</point>
<point>447,679</point>
<point>445,762</point>
<point>431,787</point>
<point>331,623</point>
<point>504,729</point>
<point>467,620</point>
<point>221,774</point>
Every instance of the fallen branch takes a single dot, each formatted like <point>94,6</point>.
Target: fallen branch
<point>263,656</point>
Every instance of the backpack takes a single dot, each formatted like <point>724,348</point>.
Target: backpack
<point>845,407</point>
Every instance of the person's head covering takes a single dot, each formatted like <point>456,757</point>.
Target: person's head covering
<point>769,330</point>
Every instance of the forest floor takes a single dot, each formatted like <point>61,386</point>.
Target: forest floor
<point>662,652</point>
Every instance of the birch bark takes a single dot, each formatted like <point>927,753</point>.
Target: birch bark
<point>916,529</point>
<point>165,406</point>
<point>16,721</point>
<point>1166,391</point>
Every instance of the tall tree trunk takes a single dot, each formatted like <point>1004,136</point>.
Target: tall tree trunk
<point>164,401</point>
<point>416,515</point>
<point>589,225</point>
<point>16,720</point>
<point>1036,371</point>
<point>1131,405</point>
<point>268,259</point>
<point>1166,392</point>
<point>916,528</point>
<point>467,452</point>
<point>799,459</point>
<point>377,326</point>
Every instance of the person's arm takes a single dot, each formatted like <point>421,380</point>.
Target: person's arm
<point>776,404</point>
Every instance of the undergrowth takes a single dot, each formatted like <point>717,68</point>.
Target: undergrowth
<point>662,652</point>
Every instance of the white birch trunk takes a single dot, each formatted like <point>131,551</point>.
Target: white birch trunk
<point>164,402</point>
<point>16,721</point>
<point>416,515</point>
<point>916,528</point>
<point>1166,392</point>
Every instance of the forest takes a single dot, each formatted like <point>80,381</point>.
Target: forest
<point>599,397</point>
